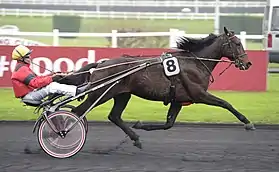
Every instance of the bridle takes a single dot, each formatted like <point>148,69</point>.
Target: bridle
<point>237,59</point>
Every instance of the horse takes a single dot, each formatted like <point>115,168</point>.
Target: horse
<point>151,83</point>
<point>78,77</point>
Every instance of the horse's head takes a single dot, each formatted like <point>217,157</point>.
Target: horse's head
<point>233,49</point>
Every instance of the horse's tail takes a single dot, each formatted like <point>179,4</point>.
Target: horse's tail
<point>78,77</point>
<point>88,67</point>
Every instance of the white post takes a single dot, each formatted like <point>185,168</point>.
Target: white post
<point>114,39</point>
<point>3,12</point>
<point>196,7</point>
<point>243,39</point>
<point>17,12</point>
<point>217,17</point>
<point>91,56</point>
<point>180,34</point>
<point>173,37</point>
<point>55,37</point>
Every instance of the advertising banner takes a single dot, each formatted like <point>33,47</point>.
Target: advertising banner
<point>72,58</point>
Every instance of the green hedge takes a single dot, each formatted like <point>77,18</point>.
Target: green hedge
<point>66,23</point>
<point>252,25</point>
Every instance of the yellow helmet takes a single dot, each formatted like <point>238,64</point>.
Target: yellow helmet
<point>20,52</point>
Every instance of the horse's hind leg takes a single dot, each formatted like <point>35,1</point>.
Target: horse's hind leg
<point>171,117</point>
<point>82,108</point>
<point>210,99</point>
<point>120,103</point>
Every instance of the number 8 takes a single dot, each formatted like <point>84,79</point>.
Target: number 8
<point>170,66</point>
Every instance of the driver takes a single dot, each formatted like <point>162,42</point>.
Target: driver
<point>32,88</point>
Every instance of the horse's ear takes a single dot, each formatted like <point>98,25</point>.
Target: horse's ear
<point>226,31</point>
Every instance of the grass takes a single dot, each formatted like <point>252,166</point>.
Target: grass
<point>44,24</point>
<point>273,65</point>
<point>259,107</point>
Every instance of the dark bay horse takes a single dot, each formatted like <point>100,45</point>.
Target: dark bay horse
<point>151,83</point>
<point>78,77</point>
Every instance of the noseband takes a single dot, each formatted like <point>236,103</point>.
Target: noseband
<point>237,59</point>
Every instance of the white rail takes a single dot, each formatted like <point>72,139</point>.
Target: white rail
<point>194,3</point>
<point>173,34</point>
<point>184,13</point>
<point>119,15</point>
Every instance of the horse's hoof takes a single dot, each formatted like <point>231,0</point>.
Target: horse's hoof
<point>249,126</point>
<point>137,125</point>
<point>137,143</point>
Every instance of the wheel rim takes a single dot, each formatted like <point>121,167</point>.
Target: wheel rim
<point>56,146</point>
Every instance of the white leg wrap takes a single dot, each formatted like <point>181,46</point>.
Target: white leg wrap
<point>69,90</point>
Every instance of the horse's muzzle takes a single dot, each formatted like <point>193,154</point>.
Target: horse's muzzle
<point>248,65</point>
<point>245,66</point>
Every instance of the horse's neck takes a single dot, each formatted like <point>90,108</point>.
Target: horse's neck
<point>213,52</point>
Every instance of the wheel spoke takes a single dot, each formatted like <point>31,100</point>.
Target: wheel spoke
<point>57,146</point>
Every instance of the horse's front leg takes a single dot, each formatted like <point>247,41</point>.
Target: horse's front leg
<point>171,117</point>
<point>212,100</point>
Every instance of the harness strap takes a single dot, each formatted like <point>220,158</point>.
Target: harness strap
<point>171,97</point>
<point>28,79</point>
<point>18,66</point>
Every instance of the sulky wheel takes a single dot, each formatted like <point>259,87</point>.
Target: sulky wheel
<point>70,107</point>
<point>68,140</point>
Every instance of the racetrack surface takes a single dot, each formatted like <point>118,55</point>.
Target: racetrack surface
<point>206,149</point>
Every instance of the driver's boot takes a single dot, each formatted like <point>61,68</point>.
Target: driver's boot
<point>81,89</point>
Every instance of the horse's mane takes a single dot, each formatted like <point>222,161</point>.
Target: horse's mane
<point>186,44</point>
<point>193,45</point>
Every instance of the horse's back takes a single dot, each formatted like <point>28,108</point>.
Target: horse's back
<point>149,83</point>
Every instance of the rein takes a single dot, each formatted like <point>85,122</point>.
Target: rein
<point>111,66</point>
<point>213,60</point>
<point>146,60</point>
